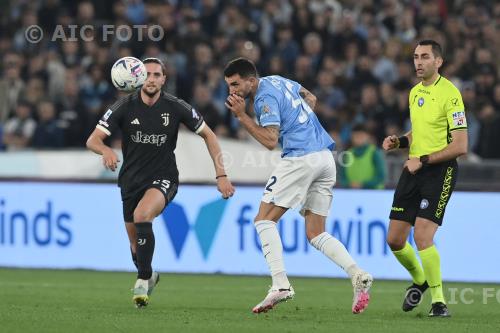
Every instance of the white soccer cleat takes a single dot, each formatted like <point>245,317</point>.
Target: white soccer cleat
<point>141,298</point>
<point>152,282</point>
<point>273,298</point>
<point>361,282</point>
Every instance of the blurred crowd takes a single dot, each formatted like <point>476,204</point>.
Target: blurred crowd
<point>356,56</point>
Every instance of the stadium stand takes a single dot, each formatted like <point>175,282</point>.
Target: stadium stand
<point>356,56</point>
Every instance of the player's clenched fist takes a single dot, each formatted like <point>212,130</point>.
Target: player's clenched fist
<point>390,142</point>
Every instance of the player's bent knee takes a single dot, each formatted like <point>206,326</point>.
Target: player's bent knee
<point>141,215</point>
<point>422,240</point>
<point>396,243</point>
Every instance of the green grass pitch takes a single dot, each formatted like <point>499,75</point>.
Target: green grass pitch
<point>87,301</point>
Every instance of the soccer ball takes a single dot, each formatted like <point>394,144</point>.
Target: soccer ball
<point>128,74</point>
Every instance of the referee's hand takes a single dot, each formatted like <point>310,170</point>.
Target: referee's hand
<point>413,165</point>
<point>390,142</point>
<point>225,187</point>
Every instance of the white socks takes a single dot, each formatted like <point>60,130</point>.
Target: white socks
<point>272,249</point>
<point>336,251</point>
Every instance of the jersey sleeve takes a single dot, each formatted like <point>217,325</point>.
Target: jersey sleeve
<point>455,110</point>
<point>190,117</point>
<point>268,112</point>
<point>112,118</point>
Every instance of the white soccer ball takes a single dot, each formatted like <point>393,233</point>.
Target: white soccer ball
<point>128,74</point>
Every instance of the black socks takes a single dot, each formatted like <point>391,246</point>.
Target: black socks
<point>145,249</point>
<point>134,258</point>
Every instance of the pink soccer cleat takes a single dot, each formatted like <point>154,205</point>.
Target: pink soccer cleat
<point>361,282</point>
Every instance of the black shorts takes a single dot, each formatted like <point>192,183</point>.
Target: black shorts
<point>131,198</point>
<point>424,194</point>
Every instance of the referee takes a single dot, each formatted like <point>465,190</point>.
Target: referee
<point>149,120</point>
<point>438,136</point>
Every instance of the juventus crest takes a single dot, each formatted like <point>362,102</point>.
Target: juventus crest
<point>165,117</point>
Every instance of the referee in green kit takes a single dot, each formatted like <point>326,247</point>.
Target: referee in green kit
<point>437,137</point>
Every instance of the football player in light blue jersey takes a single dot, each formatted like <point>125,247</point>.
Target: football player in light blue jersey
<point>278,102</point>
<point>304,177</point>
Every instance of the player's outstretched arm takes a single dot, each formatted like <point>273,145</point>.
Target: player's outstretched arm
<point>95,142</point>
<point>223,183</point>
<point>268,136</point>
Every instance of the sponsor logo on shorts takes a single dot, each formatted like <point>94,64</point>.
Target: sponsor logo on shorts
<point>424,204</point>
<point>397,209</point>
<point>445,193</point>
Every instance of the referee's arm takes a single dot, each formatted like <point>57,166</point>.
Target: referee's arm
<point>456,148</point>
<point>393,142</point>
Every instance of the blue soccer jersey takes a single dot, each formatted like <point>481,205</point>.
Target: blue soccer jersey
<point>277,102</point>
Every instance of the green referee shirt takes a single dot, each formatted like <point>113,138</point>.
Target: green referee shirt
<point>435,111</point>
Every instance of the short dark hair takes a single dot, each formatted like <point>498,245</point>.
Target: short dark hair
<point>156,61</point>
<point>244,67</point>
<point>436,47</point>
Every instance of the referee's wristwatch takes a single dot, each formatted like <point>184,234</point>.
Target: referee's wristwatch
<point>424,159</point>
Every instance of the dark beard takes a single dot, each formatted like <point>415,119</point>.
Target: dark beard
<point>151,95</point>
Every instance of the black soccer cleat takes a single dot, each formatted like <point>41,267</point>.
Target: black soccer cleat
<point>439,309</point>
<point>413,296</point>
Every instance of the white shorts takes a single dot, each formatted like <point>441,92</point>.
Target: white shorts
<point>305,181</point>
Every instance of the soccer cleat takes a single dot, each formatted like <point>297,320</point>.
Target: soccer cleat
<point>152,282</point>
<point>413,296</point>
<point>361,282</point>
<point>439,309</point>
<point>273,298</point>
<point>141,297</point>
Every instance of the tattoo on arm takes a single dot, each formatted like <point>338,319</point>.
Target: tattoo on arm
<point>275,130</point>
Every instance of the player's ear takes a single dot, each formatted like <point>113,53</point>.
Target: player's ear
<point>439,61</point>
<point>253,80</point>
